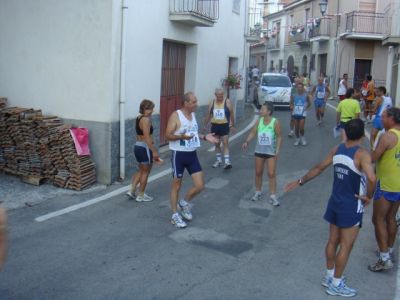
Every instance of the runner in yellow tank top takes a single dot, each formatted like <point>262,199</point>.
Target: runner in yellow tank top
<point>387,194</point>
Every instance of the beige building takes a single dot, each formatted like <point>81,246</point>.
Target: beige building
<point>351,37</point>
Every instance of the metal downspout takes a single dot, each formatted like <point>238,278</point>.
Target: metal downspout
<point>124,11</point>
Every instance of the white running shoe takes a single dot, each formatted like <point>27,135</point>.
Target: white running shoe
<point>296,142</point>
<point>303,141</point>
<point>143,198</point>
<point>227,165</point>
<point>256,197</point>
<point>274,200</point>
<point>291,133</point>
<point>177,221</point>
<point>341,290</point>
<point>185,211</point>
<point>149,198</point>
<point>131,195</point>
<point>217,164</point>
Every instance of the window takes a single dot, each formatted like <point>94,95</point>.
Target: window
<point>236,6</point>
<point>276,81</point>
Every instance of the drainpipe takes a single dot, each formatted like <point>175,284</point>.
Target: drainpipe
<point>335,52</point>
<point>124,17</point>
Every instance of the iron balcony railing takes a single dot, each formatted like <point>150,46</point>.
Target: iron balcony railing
<point>208,9</point>
<point>323,29</point>
<point>273,42</point>
<point>367,23</point>
<point>255,25</point>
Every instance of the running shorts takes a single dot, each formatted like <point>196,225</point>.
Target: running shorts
<point>318,103</point>
<point>377,123</point>
<point>343,219</point>
<point>389,196</point>
<point>220,129</point>
<point>182,160</point>
<point>143,154</point>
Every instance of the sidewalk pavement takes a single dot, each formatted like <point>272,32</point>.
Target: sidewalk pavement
<point>16,194</point>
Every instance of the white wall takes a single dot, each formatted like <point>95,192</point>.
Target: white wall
<point>56,55</point>
<point>208,51</point>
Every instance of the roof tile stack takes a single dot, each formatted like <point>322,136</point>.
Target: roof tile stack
<point>42,147</point>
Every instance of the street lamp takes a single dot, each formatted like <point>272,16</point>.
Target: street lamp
<point>323,6</point>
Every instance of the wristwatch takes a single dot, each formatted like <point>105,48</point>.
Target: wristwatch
<point>300,182</point>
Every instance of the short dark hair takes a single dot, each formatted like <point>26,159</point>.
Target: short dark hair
<point>369,77</point>
<point>349,92</point>
<point>382,89</point>
<point>269,106</point>
<point>394,112</point>
<point>354,129</point>
<point>145,104</point>
<point>345,74</point>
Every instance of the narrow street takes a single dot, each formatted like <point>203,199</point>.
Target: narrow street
<point>233,249</point>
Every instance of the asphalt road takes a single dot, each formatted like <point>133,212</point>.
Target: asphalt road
<point>233,249</point>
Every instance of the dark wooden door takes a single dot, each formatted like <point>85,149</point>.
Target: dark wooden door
<point>172,82</point>
<point>362,67</point>
<point>323,60</point>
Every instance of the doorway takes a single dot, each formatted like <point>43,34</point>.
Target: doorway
<point>362,67</point>
<point>172,82</point>
<point>323,60</point>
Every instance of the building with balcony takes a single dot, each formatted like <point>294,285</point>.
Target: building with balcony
<point>92,62</point>
<point>351,37</point>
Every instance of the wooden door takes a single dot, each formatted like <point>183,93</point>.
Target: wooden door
<point>362,67</point>
<point>172,82</point>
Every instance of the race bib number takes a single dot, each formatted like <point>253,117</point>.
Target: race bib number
<point>321,95</point>
<point>298,110</point>
<point>219,114</point>
<point>364,92</point>
<point>265,139</point>
<point>194,142</point>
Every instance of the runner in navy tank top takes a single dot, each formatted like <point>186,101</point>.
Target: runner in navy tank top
<point>350,193</point>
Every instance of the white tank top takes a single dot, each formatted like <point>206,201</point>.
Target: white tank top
<point>188,127</point>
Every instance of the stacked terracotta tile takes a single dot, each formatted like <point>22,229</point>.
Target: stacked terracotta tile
<point>40,146</point>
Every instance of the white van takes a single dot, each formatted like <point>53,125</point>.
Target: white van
<point>275,88</point>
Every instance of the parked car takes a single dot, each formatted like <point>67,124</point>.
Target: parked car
<point>274,88</point>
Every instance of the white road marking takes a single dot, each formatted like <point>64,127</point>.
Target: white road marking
<point>97,200</point>
<point>122,189</point>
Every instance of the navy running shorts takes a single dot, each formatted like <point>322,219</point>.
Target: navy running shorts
<point>342,219</point>
<point>182,160</point>
<point>220,129</point>
<point>143,154</point>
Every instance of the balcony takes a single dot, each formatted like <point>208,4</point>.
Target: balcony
<point>202,13</point>
<point>254,27</point>
<point>273,43</point>
<point>366,26</point>
<point>300,38</point>
<point>320,32</point>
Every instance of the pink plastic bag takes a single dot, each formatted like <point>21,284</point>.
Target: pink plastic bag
<point>80,136</point>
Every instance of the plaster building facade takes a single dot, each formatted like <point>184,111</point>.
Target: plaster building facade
<point>92,62</point>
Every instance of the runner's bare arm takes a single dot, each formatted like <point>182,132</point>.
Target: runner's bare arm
<point>312,173</point>
<point>383,144</point>
<point>3,236</point>
<point>208,115</point>
<point>367,168</point>
<point>308,101</point>
<point>145,125</point>
<point>328,93</point>
<point>278,134</point>
<point>250,136</point>
<point>172,125</point>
